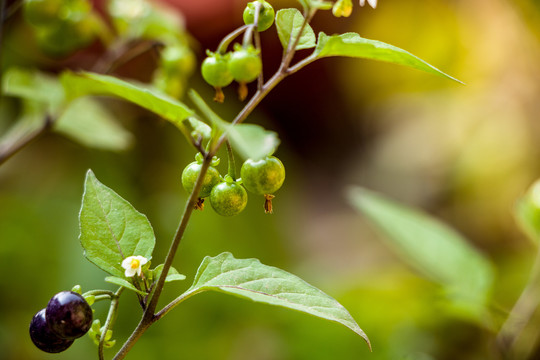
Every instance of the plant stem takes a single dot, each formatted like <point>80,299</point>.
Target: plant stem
<point>149,316</point>
<point>107,293</point>
<point>7,153</point>
<point>224,44</point>
<point>231,163</point>
<point>111,317</point>
<point>521,314</point>
<point>252,27</point>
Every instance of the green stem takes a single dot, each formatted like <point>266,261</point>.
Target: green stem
<point>252,27</point>
<point>224,44</point>
<point>520,315</point>
<point>7,153</point>
<point>175,302</point>
<point>232,164</point>
<point>111,317</point>
<point>96,293</point>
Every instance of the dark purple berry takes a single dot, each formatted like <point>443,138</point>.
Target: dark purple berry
<point>44,338</point>
<point>68,315</point>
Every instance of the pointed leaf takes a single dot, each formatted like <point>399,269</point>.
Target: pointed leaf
<point>251,141</point>
<point>86,83</point>
<point>123,282</point>
<point>289,21</point>
<point>433,248</point>
<point>111,228</point>
<point>88,122</point>
<point>248,278</point>
<point>352,45</point>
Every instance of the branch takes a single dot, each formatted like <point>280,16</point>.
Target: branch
<point>7,153</point>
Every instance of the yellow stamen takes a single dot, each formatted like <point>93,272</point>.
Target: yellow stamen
<point>135,263</point>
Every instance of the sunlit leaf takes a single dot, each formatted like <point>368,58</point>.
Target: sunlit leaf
<point>85,83</point>
<point>111,228</point>
<point>252,141</point>
<point>249,279</point>
<point>433,248</point>
<point>85,120</point>
<point>123,282</point>
<point>289,21</point>
<point>353,45</point>
<point>249,140</point>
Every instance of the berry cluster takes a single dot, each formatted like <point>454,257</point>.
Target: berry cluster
<point>242,65</point>
<point>67,317</point>
<point>227,195</point>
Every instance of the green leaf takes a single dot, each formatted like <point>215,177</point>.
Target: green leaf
<point>35,86</point>
<point>433,248</point>
<point>88,122</point>
<point>289,21</point>
<point>111,229</point>
<point>173,274</point>
<point>249,279</point>
<point>123,282</point>
<point>352,45</point>
<point>249,140</point>
<point>252,141</point>
<point>198,128</point>
<point>86,83</point>
<point>527,213</point>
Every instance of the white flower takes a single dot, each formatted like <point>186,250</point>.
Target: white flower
<point>373,3</point>
<point>133,265</point>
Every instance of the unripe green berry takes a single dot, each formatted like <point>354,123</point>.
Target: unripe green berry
<point>245,64</point>
<point>215,70</point>
<point>263,176</point>
<point>190,174</point>
<point>266,14</point>
<point>228,198</point>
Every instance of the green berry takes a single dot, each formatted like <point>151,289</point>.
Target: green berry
<point>228,198</point>
<point>266,14</point>
<point>263,176</point>
<point>215,70</point>
<point>190,174</point>
<point>245,64</point>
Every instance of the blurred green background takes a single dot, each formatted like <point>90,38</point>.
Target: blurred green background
<point>462,153</point>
